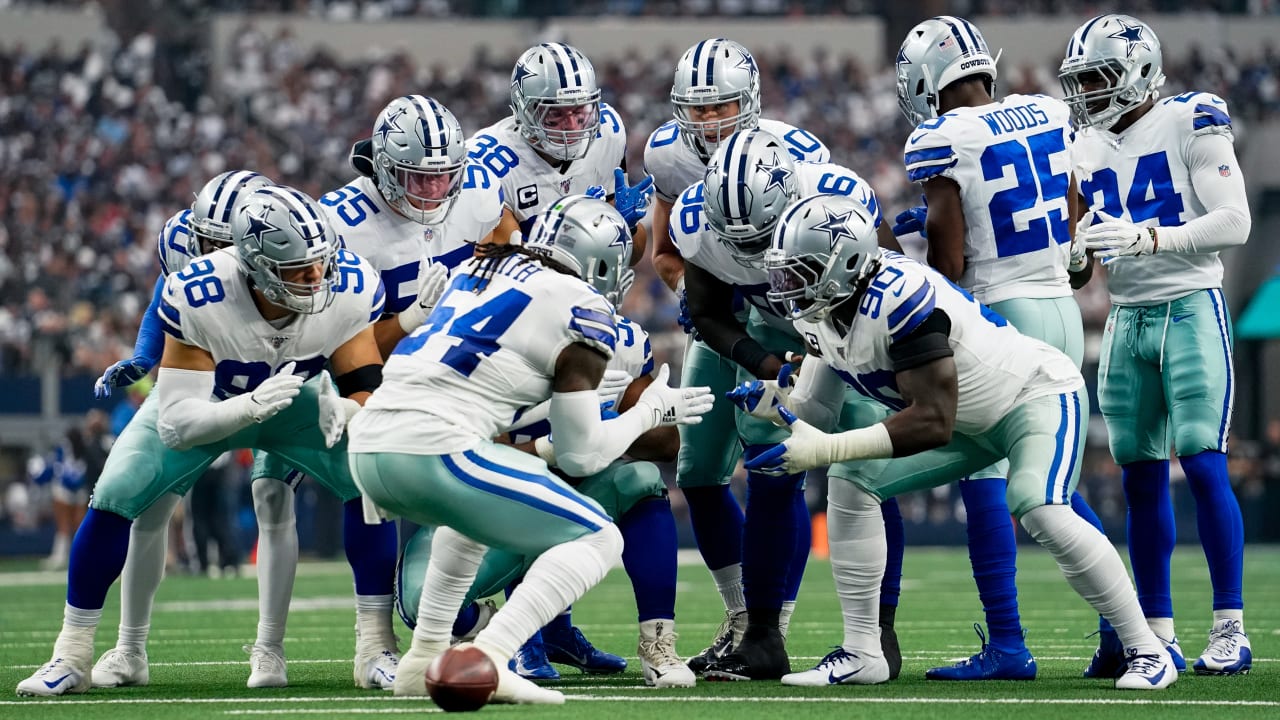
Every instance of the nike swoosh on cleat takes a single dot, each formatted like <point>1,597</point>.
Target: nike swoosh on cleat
<point>52,684</point>
<point>1160,676</point>
<point>835,679</point>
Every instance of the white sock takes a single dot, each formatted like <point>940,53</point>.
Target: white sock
<point>784,617</point>
<point>859,550</point>
<point>1236,614</point>
<point>1162,627</point>
<point>729,582</point>
<point>554,581</point>
<point>1094,570</point>
<point>373,622</point>
<point>455,560</point>
<point>74,617</point>
<point>277,559</point>
<point>143,571</point>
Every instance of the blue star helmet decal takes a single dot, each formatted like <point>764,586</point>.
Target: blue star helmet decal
<point>390,125</point>
<point>746,62</point>
<point>520,74</point>
<point>836,225</point>
<point>259,225</point>
<point>1132,36</point>
<point>777,174</point>
<point>902,58</point>
<point>622,239</point>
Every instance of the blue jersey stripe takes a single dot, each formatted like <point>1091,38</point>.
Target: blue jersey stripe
<point>908,307</point>
<point>921,173</point>
<point>513,495</point>
<point>593,315</point>
<point>934,153</point>
<point>1210,116</point>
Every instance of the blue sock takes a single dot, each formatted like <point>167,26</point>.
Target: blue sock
<point>717,521</point>
<point>97,558</point>
<point>803,543</point>
<point>1083,510</point>
<point>466,620</point>
<point>371,551</point>
<point>896,535</point>
<point>1220,524</point>
<point>649,557</point>
<point>993,553</point>
<point>1151,533</point>
<point>768,536</point>
<point>562,624</point>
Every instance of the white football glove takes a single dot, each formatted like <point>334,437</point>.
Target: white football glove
<point>1079,257</point>
<point>431,284</point>
<point>274,394</point>
<point>333,411</point>
<point>761,398</point>
<point>1119,238</point>
<point>674,405</point>
<point>806,449</point>
<point>613,385</point>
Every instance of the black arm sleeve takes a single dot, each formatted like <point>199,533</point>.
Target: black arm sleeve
<point>928,342</point>
<point>711,309</point>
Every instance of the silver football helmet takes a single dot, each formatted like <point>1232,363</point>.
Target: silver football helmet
<point>214,206</point>
<point>286,248</point>
<point>1112,66</point>
<point>714,72</point>
<point>824,250</point>
<point>556,100</point>
<point>589,237</point>
<point>936,53</point>
<point>749,182</point>
<point>419,155</point>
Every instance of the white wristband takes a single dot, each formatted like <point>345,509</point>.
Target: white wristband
<point>545,450</point>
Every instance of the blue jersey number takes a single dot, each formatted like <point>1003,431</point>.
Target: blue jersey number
<point>607,118</point>
<point>476,177</point>
<point>348,201</point>
<point>350,278</point>
<point>691,213</point>
<point>874,296</point>
<point>802,143</point>
<point>664,135</point>
<point>233,377</point>
<point>200,284</point>
<point>478,330</point>
<point>1036,183</point>
<point>496,157</point>
<point>1151,195</point>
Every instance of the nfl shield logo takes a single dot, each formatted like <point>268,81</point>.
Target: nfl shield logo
<point>428,233</point>
<point>278,340</point>
<point>564,186</point>
<point>1224,170</point>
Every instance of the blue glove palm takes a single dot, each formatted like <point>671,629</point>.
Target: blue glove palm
<point>911,220</point>
<point>122,374</point>
<point>631,201</point>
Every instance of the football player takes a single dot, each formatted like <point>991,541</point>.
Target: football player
<point>1162,179</point>
<point>898,332</point>
<point>559,140</point>
<point>247,328</point>
<point>518,329</point>
<point>980,161</point>
<point>724,226</point>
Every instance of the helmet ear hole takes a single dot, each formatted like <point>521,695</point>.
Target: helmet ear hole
<point>852,263</point>
<point>920,86</point>
<point>1146,70</point>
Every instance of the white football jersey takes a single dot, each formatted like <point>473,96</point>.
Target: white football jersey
<point>1141,176</point>
<point>698,243</point>
<point>485,354</point>
<point>1012,161</point>
<point>674,166</point>
<point>529,182</point>
<point>395,245</point>
<point>172,243</point>
<point>210,305</point>
<point>996,366</point>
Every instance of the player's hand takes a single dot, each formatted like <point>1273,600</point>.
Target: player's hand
<point>431,284</point>
<point>613,384</point>
<point>673,405</point>
<point>631,201</point>
<point>1079,255</point>
<point>596,192</point>
<point>122,374</point>
<point>686,322</point>
<point>806,449</point>
<point>763,398</point>
<point>1119,238</point>
<point>333,412</point>
<point>275,394</point>
<point>911,222</point>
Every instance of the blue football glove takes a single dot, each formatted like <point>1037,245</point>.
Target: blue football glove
<point>683,318</point>
<point>764,398</point>
<point>122,374</point>
<point>631,201</point>
<point>596,191</point>
<point>911,221</point>
<point>607,412</point>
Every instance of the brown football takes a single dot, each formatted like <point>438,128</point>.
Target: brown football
<point>462,679</point>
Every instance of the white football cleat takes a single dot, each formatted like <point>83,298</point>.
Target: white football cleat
<point>377,670</point>
<point>1228,653</point>
<point>661,665</point>
<point>266,668</point>
<point>59,676</point>
<point>515,690</point>
<point>487,610</point>
<point>1154,671</point>
<point>841,667</point>
<point>411,673</point>
<point>119,667</point>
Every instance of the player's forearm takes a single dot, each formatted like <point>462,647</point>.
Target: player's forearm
<point>658,445</point>
<point>819,394</point>
<point>388,333</point>
<point>919,427</point>
<point>187,418</point>
<point>584,444</point>
<point>670,267</point>
<point>150,343</point>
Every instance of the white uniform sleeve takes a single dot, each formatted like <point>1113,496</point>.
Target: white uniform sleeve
<point>928,154</point>
<point>1219,185</point>
<point>585,444</point>
<point>187,418</point>
<point>819,394</point>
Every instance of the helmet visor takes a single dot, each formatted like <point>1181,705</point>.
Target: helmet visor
<point>568,126</point>
<point>793,282</point>
<point>1092,90</point>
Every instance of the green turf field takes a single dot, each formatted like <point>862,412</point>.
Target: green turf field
<point>199,669</point>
